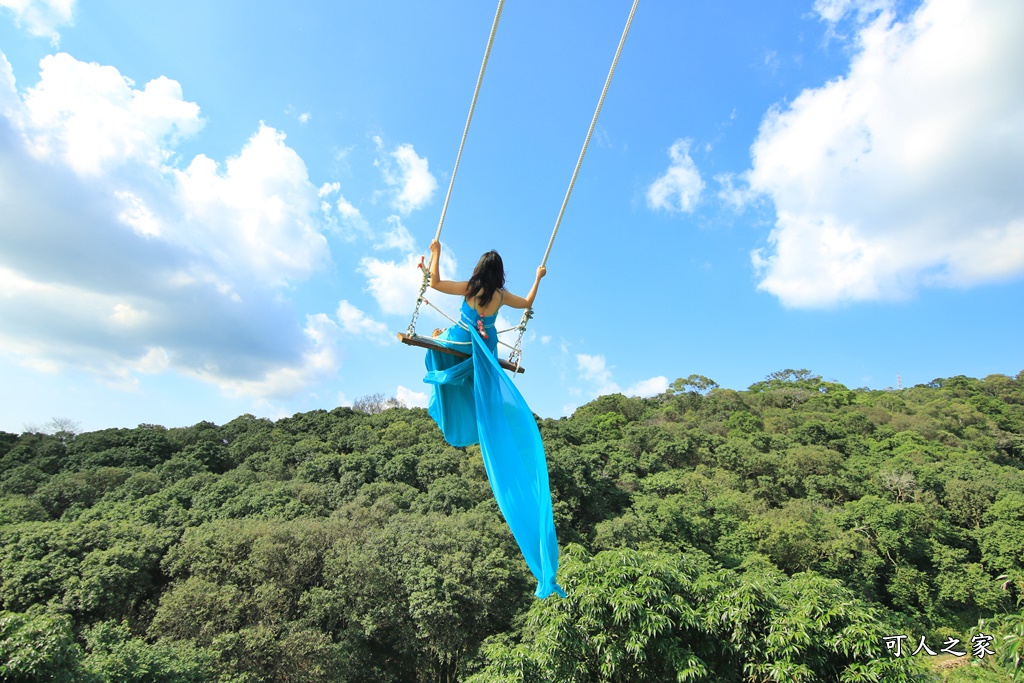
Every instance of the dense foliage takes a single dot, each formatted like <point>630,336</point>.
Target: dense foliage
<point>775,534</point>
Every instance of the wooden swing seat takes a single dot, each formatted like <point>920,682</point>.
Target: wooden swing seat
<point>430,343</point>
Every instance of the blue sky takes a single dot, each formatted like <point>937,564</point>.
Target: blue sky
<point>210,209</point>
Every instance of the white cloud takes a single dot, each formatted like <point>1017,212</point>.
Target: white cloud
<point>412,399</point>
<point>905,172</point>
<point>127,315</point>
<point>91,117</point>
<point>395,285</point>
<point>354,321</point>
<point>833,11</point>
<point>648,387</point>
<point>243,348</point>
<point>41,17</point>
<point>352,220</point>
<point>256,217</point>
<point>154,361</point>
<point>412,183</point>
<point>10,105</point>
<point>680,187</point>
<point>594,369</point>
<point>351,216</point>
<point>259,212</point>
<point>319,360</point>
<point>736,196</point>
<point>115,263</point>
<point>396,238</point>
<point>418,184</point>
<point>137,215</point>
<point>305,117</point>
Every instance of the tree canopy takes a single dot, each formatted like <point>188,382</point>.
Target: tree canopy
<point>779,533</point>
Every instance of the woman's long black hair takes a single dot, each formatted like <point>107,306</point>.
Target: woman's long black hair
<point>488,277</point>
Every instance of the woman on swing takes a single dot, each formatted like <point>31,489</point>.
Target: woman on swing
<point>474,401</point>
<point>479,292</point>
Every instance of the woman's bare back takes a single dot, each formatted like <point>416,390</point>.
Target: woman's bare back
<point>496,302</point>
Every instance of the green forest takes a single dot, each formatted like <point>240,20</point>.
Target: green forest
<point>797,531</point>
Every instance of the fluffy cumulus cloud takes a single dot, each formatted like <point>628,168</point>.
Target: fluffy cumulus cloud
<point>412,399</point>
<point>92,118</point>
<point>735,192</point>
<point>41,17</point>
<point>648,387</point>
<point>906,171</point>
<point>341,215</point>
<point>396,284</point>
<point>259,213</point>
<point>408,175</point>
<point>116,261</point>
<point>595,371</point>
<point>679,188</point>
<point>354,321</point>
<point>397,237</point>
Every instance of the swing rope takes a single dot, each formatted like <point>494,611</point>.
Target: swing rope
<point>516,357</point>
<point>451,183</point>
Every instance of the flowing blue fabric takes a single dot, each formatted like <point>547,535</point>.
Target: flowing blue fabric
<point>474,401</point>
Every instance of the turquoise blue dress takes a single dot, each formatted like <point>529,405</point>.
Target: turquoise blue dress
<point>474,401</point>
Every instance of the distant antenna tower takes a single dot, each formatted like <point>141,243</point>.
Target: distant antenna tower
<point>899,383</point>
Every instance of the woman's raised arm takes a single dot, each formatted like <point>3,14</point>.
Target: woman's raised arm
<point>445,286</point>
<point>518,301</point>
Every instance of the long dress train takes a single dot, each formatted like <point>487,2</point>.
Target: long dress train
<point>474,401</point>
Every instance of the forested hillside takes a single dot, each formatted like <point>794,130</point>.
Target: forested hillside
<point>782,533</point>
